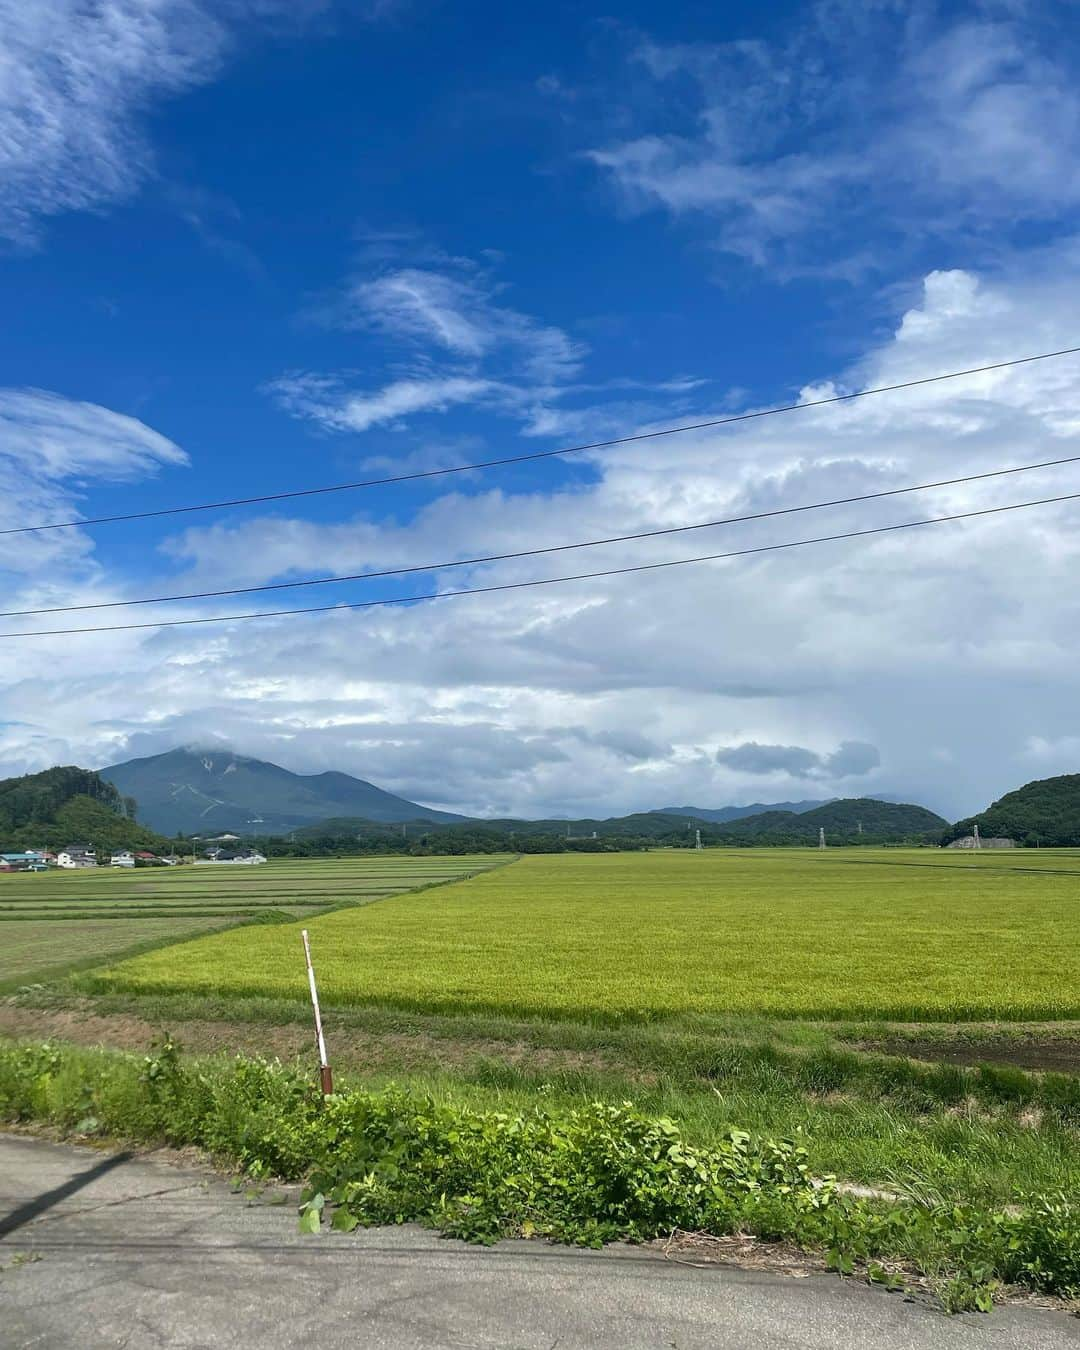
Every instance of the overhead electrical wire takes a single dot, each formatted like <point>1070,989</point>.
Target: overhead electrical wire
<point>419,474</point>
<point>535,552</point>
<point>547,581</point>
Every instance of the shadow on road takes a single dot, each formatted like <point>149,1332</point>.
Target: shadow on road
<point>40,1203</point>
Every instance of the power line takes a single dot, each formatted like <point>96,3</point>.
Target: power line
<point>548,581</point>
<point>535,552</point>
<point>538,454</point>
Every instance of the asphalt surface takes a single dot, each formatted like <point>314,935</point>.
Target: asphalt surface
<point>100,1250</point>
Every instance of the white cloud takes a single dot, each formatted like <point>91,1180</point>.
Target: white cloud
<point>323,400</point>
<point>75,80</point>
<point>461,315</point>
<point>51,447</point>
<point>950,651</point>
<point>78,78</point>
<point>51,437</point>
<point>464,346</point>
<point>865,123</point>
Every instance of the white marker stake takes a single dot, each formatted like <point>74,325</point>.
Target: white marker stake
<point>326,1077</point>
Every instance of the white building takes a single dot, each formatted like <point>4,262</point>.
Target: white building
<point>125,858</point>
<point>76,855</point>
<point>219,858</point>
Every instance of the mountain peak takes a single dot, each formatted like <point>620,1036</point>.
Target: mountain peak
<point>194,788</point>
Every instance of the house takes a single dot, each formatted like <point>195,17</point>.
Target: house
<point>76,855</point>
<point>143,858</point>
<point>124,858</point>
<point>20,862</point>
<point>221,857</point>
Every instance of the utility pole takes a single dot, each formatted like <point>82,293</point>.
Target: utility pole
<point>821,837</point>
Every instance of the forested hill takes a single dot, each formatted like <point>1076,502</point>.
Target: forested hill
<point>68,805</point>
<point>850,820</point>
<point>882,822</point>
<point>1045,812</point>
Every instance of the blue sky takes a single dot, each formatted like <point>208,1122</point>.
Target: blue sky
<point>248,246</point>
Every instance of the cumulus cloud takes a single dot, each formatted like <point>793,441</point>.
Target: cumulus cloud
<point>948,653</point>
<point>864,123</point>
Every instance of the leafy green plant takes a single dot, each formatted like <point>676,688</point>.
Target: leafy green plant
<point>586,1175</point>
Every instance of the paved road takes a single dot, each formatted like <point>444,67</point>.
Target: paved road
<point>137,1252</point>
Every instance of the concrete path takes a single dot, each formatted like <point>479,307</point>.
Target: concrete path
<point>102,1250</point>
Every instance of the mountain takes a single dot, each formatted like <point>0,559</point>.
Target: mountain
<point>1045,812</point>
<point>719,815</point>
<point>847,820</point>
<point>194,791</point>
<point>68,805</point>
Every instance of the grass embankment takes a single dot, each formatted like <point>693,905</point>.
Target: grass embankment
<point>639,936</point>
<point>589,1174</point>
<point>980,1134</point>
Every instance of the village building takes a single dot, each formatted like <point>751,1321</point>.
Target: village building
<point>76,855</point>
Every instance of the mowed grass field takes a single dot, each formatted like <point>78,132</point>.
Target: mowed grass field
<point>55,920</point>
<point>36,948</point>
<point>889,934</point>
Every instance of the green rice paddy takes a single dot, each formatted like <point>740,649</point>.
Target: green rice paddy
<point>890,934</point>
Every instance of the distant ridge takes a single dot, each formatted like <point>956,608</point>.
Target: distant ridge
<point>207,791</point>
<point>719,815</point>
<point>845,820</point>
<point>1046,812</point>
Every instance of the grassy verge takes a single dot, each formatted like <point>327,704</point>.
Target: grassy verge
<point>588,1173</point>
<point>981,1134</point>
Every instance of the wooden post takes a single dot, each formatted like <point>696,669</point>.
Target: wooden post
<point>326,1077</point>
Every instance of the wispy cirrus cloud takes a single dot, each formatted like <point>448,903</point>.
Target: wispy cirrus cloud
<point>452,338</point>
<point>325,400</point>
<point>866,124</point>
<point>75,80</point>
<point>463,316</point>
<point>78,78</point>
<point>455,341</point>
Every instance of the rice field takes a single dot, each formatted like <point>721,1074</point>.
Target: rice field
<point>55,920</point>
<point>889,934</point>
